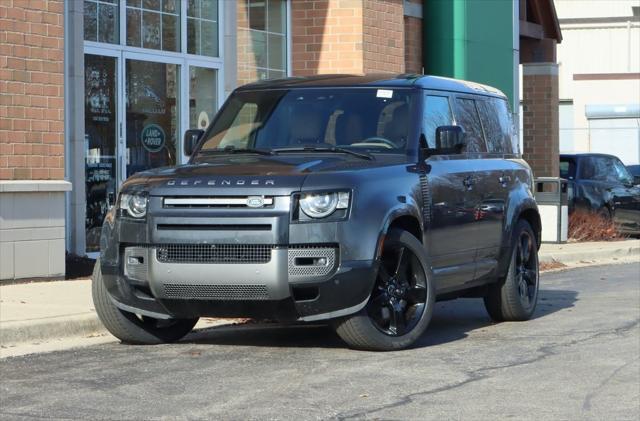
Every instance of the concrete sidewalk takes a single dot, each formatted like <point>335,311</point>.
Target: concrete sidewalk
<point>41,311</point>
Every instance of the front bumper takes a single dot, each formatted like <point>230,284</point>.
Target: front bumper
<point>299,282</point>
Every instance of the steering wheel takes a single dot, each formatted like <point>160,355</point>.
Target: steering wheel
<point>378,140</point>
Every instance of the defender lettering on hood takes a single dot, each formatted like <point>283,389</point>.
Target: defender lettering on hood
<point>222,182</point>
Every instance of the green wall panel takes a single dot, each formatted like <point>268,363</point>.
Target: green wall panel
<point>472,40</point>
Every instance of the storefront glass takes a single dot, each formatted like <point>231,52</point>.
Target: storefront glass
<point>101,21</point>
<point>100,142</point>
<point>152,114</point>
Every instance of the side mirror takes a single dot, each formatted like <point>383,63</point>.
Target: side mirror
<point>191,138</point>
<point>636,180</point>
<point>449,139</point>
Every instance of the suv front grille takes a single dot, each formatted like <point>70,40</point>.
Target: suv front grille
<point>216,292</point>
<point>214,253</point>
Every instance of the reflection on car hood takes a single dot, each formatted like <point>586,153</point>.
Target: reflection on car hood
<point>274,175</point>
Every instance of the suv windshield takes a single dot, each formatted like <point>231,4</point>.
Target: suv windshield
<point>365,120</point>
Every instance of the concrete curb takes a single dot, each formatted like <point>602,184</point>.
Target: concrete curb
<point>12,333</point>
<point>577,253</point>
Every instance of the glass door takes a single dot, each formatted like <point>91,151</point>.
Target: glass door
<point>101,134</point>
<point>152,114</point>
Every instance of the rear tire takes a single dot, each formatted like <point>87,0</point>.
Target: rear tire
<point>515,298</point>
<point>129,327</point>
<point>400,306</point>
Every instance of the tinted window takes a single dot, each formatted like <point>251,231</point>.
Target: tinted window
<point>496,121</point>
<point>602,168</point>
<point>621,172</point>
<point>567,169</point>
<point>371,119</point>
<point>437,112</point>
<point>467,117</point>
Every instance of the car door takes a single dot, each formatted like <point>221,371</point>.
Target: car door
<point>626,197</point>
<point>498,175</point>
<point>451,209</point>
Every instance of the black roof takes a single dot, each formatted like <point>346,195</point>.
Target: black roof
<point>585,155</point>
<point>377,80</point>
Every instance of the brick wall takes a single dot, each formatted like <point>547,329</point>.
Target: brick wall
<point>326,36</point>
<point>413,37</point>
<point>31,90</point>
<point>540,118</point>
<point>383,36</point>
<point>247,71</point>
<point>347,36</point>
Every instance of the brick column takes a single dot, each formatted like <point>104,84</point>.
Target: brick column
<point>347,36</point>
<point>540,118</point>
<point>413,36</point>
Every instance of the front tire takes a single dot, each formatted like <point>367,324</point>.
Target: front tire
<point>402,301</point>
<point>131,328</point>
<point>515,298</point>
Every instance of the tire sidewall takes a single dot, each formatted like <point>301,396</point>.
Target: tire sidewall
<point>510,290</point>
<point>383,341</point>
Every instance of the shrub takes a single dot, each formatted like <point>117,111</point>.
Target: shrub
<point>590,226</point>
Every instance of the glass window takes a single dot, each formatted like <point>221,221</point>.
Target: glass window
<point>262,40</point>
<point>601,168</point>
<point>202,27</point>
<point>351,118</point>
<point>100,131</point>
<point>152,113</point>
<point>567,169</point>
<point>497,124</point>
<point>622,173</point>
<point>467,117</point>
<point>202,96</point>
<point>437,112</point>
<point>101,21</point>
<point>154,24</point>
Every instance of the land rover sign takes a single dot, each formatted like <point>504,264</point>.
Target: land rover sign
<point>152,138</point>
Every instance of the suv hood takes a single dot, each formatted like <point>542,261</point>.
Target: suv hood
<point>248,175</point>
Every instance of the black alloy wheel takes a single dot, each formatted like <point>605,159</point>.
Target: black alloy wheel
<point>526,269</point>
<point>400,295</point>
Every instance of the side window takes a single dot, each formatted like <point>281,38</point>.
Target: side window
<point>467,117</point>
<point>437,112</point>
<point>598,168</point>
<point>496,120</point>
<point>567,169</point>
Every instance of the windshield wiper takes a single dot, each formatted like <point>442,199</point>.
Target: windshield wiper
<point>333,149</point>
<point>233,149</point>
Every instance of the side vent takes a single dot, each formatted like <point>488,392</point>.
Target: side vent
<point>426,199</point>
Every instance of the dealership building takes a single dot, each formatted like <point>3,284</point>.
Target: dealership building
<point>93,91</point>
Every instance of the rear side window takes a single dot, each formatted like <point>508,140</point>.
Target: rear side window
<point>567,169</point>
<point>497,124</point>
<point>437,112</point>
<point>467,117</point>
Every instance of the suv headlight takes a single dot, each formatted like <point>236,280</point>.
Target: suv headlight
<point>321,205</point>
<point>134,204</point>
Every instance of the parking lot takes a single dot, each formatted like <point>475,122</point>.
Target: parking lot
<point>577,359</point>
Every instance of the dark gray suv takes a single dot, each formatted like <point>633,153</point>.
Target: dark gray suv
<point>355,200</point>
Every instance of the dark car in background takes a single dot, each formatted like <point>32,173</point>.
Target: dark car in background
<point>601,183</point>
<point>634,170</point>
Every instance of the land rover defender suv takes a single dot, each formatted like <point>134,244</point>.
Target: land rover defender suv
<point>354,200</point>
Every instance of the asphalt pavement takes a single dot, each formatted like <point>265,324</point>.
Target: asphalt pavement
<point>579,358</point>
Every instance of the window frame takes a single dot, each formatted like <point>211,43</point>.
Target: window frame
<point>443,94</point>
<point>475,98</point>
